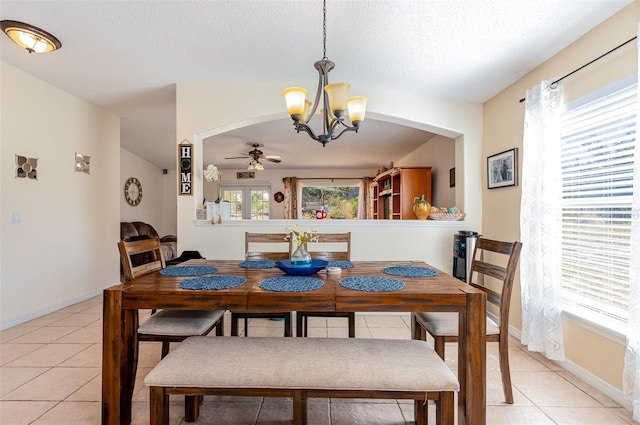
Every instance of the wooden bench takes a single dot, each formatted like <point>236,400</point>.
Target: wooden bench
<point>301,368</point>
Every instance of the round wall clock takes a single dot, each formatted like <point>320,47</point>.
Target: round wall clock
<point>133,191</point>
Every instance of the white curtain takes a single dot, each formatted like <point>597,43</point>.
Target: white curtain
<point>540,222</point>
<point>631,372</point>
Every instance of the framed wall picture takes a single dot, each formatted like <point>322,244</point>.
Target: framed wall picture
<point>452,177</point>
<point>502,169</point>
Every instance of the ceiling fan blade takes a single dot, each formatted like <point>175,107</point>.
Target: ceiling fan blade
<point>272,160</point>
<point>272,156</point>
<point>238,157</point>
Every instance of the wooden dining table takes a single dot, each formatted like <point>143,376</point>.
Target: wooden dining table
<point>441,292</point>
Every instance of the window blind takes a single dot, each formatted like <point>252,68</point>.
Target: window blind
<point>598,143</point>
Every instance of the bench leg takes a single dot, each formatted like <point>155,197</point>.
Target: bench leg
<point>192,407</point>
<point>158,406</point>
<point>421,415</point>
<point>299,408</point>
<point>445,408</point>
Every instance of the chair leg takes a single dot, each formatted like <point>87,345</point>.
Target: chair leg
<point>165,349</point>
<point>300,331</point>
<point>287,325</point>
<point>503,354</point>
<point>220,327</point>
<point>234,325</point>
<point>438,346</point>
<point>352,325</point>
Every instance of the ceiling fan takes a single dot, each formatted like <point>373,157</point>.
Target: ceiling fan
<point>255,155</point>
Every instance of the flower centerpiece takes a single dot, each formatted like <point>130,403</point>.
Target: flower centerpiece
<point>300,257</point>
<point>213,174</point>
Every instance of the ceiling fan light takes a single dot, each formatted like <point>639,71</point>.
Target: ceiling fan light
<point>259,166</point>
<point>33,39</point>
<point>357,107</point>
<point>295,100</point>
<point>337,94</point>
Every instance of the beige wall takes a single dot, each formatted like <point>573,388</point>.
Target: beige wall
<point>502,130</point>
<point>158,204</point>
<point>64,248</point>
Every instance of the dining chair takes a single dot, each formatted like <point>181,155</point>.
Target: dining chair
<point>493,267</point>
<point>165,326</point>
<point>264,246</point>
<point>340,241</point>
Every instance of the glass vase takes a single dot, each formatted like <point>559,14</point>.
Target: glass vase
<point>300,257</point>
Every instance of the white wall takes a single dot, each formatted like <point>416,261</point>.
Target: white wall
<point>204,110</point>
<point>158,204</point>
<point>439,154</point>
<point>64,249</point>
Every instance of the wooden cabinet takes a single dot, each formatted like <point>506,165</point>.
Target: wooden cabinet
<point>393,192</point>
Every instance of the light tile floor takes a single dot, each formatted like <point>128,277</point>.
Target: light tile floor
<point>50,375</point>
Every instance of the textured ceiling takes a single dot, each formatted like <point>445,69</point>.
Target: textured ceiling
<point>125,56</point>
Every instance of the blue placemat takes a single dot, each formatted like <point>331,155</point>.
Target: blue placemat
<point>410,271</point>
<point>207,283</point>
<point>258,264</point>
<point>341,264</point>
<point>372,283</point>
<point>291,284</point>
<point>188,270</point>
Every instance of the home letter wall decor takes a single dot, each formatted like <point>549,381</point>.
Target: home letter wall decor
<point>185,152</point>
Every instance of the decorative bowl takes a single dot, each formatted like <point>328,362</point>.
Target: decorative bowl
<point>313,268</point>
<point>447,216</point>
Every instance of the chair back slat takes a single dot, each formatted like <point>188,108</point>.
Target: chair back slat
<point>504,275</point>
<point>342,240</point>
<point>151,247</point>
<point>275,240</point>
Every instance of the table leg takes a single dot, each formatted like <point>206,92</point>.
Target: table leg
<point>472,362</point>
<point>119,359</point>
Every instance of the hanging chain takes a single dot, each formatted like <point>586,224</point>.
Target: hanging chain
<point>324,29</point>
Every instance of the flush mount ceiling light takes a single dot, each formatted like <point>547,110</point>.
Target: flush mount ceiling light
<point>34,39</point>
<point>334,99</point>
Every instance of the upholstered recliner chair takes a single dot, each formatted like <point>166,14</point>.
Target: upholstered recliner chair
<point>138,230</point>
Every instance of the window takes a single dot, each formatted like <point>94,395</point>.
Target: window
<point>598,142</point>
<point>339,202</point>
<point>247,202</point>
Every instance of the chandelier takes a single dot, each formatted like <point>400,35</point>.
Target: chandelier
<point>334,100</point>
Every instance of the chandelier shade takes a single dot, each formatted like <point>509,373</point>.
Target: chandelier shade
<point>333,97</point>
<point>33,39</point>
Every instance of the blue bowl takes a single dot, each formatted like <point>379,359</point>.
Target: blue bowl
<point>290,269</point>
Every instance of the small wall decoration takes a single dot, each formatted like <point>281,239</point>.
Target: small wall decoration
<point>185,154</point>
<point>278,197</point>
<point>82,163</point>
<point>133,191</point>
<point>246,175</point>
<point>26,167</point>
<point>452,177</point>
<point>502,169</point>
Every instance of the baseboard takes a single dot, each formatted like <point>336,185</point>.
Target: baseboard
<point>50,309</point>
<point>584,375</point>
